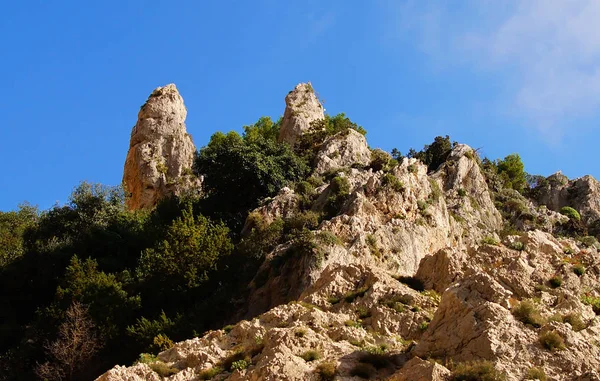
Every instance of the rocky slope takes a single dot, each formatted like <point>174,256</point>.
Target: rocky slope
<point>409,281</point>
<point>161,152</point>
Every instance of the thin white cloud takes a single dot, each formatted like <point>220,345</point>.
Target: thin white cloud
<point>548,51</point>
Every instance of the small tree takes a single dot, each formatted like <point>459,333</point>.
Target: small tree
<point>512,171</point>
<point>190,251</point>
<point>75,345</point>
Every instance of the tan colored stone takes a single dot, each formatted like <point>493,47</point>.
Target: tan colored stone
<point>421,370</point>
<point>302,107</point>
<point>161,152</point>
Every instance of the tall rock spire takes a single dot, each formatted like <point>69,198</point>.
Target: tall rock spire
<point>302,107</point>
<point>161,152</point>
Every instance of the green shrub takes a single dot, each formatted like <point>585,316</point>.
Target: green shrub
<point>571,213</point>
<point>362,370</point>
<point>555,281</point>
<point>239,365</point>
<point>163,369</point>
<point>210,373</point>
<point>328,238</point>
<point>393,182</point>
<point>192,248</point>
<point>363,312</point>
<point>162,342</point>
<point>311,355</point>
<point>490,241</point>
<point>436,192</point>
<point>477,371</point>
<point>593,301</point>
<point>327,370</point>
<point>552,341</point>
<point>228,328</point>
<point>434,154</point>
<point>394,303</point>
<point>579,269</point>
<point>380,160</point>
<point>333,299</point>
<point>588,241</point>
<point>423,326</point>
<point>527,312</point>
<point>353,323</point>
<point>300,221</point>
<point>147,358</point>
<point>238,359</point>
<point>305,188</point>
<point>300,332</point>
<point>462,192</point>
<point>350,296</point>
<point>339,193</point>
<point>517,245</point>
<point>239,171</point>
<point>536,374</point>
<point>575,321</point>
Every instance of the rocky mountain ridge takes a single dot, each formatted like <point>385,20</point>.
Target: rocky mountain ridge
<point>414,277</point>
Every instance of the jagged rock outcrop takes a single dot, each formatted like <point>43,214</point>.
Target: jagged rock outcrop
<point>302,107</point>
<point>386,225</point>
<point>161,152</point>
<point>420,370</point>
<point>344,150</point>
<point>583,194</point>
<point>468,197</point>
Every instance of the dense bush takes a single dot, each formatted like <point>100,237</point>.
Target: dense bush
<point>125,293</point>
<point>393,182</point>
<point>536,374</point>
<point>552,341</point>
<point>579,269</point>
<point>381,161</point>
<point>239,171</point>
<point>593,301</point>
<point>434,154</point>
<point>571,213</point>
<point>528,313</point>
<point>327,370</point>
<point>555,281</point>
<point>191,249</point>
<point>311,355</point>
<point>12,228</point>
<point>477,371</point>
<point>339,192</point>
<point>512,172</point>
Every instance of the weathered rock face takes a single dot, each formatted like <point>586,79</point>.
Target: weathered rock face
<point>582,194</point>
<point>161,152</point>
<point>343,151</point>
<point>302,107</point>
<point>421,370</point>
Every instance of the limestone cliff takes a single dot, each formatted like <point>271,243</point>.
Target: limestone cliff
<point>161,152</point>
<point>410,277</point>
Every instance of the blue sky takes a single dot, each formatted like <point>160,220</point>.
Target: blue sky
<point>503,76</point>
